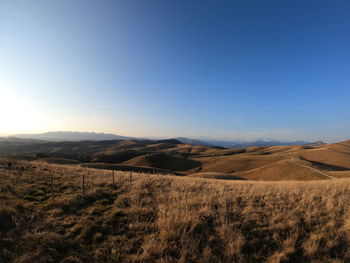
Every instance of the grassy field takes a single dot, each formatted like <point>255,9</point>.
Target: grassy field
<point>46,217</point>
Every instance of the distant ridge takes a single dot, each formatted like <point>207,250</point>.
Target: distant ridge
<point>171,141</point>
<point>58,136</point>
<point>235,144</point>
<point>72,136</point>
<point>13,139</point>
<point>193,141</point>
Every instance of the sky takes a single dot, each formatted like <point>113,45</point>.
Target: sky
<point>157,68</point>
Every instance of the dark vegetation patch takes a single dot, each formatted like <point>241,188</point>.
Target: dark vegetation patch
<point>326,166</point>
<point>164,161</point>
<point>118,156</point>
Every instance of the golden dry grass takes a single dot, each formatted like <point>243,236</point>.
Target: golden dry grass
<point>154,218</point>
<point>279,163</point>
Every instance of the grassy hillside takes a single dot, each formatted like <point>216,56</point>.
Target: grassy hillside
<point>46,217</point>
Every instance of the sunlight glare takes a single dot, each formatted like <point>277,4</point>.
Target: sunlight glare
<point>18,116</point>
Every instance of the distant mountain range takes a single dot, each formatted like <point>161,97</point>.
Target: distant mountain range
<point>92,136</point>
<point>72,136</point>
<point>235,144</point>
<point>244,144</point>
<point>194,141</point>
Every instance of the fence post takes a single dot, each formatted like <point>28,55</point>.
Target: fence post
<point>130,176</point>
<point>83,183</point>
<point>113,177</point>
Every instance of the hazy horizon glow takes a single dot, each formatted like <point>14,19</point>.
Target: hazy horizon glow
<point>226,70</point>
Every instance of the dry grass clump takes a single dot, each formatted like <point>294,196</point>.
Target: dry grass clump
<point>153,218</point>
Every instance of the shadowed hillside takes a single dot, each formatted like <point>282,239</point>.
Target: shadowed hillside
<point>164,161</point>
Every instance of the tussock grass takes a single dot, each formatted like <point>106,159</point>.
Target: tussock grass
<point>156,218</point>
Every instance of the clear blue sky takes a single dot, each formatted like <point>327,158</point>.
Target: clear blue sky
<point>222,69</point>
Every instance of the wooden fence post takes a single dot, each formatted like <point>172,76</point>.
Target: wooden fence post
<point>113,177</point>
<point>83,183</point>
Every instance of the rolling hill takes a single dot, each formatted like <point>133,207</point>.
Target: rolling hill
<point>303,162</point>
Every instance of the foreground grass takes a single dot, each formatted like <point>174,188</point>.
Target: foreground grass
<point>151,218</point>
